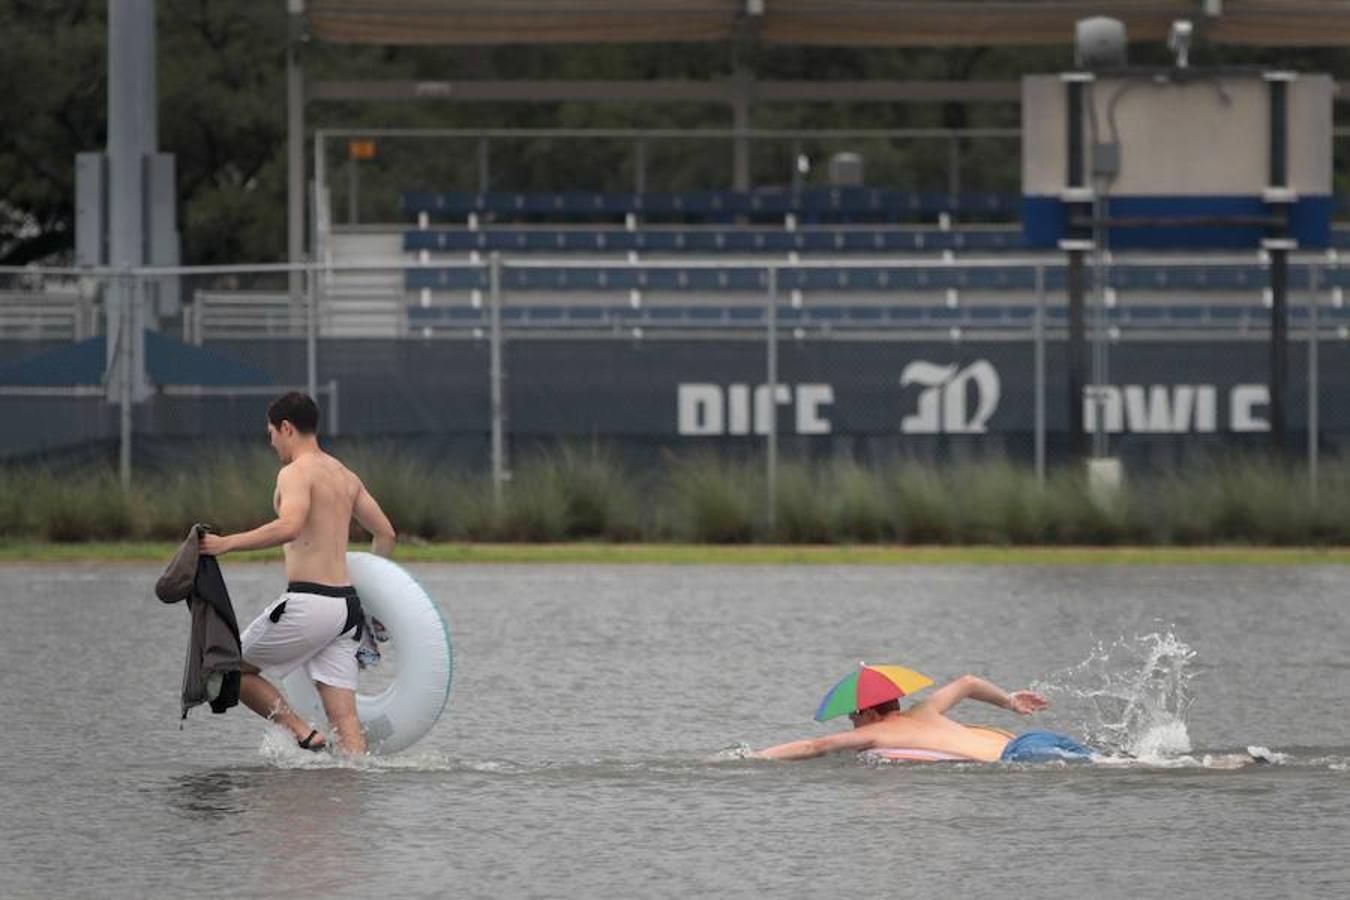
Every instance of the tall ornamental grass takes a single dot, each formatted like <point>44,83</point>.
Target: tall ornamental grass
<point>574,493</point>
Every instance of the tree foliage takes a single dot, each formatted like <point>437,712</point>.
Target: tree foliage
<point>221,69</point>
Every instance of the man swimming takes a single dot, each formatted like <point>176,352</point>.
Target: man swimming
<point>317,622</point>
<point>925,726</point>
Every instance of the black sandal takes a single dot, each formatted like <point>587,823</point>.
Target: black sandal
<point>308,742</point>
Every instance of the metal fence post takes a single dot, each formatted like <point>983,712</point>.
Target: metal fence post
<point>495,379</point>
<point>125,347</point>
<point>334,409</point>
<point>1038,326</point>
<point>312,329</point>
<point>484,170</point>
<point>1314,300</point>
<point>771,376</point>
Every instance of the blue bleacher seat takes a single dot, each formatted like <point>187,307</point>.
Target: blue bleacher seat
<point>824,313</point>
<point>907,315</point>
<point>1228,315</point>
<point>828,204</point>
<point>863,313</point>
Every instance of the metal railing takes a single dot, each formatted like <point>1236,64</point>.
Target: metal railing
<point>262,315</point>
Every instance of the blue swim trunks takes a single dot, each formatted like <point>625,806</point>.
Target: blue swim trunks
<point>1043,746</point>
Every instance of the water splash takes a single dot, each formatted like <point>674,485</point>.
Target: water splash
<point>738,750</point>
<point>1130,696</point>
<point>278,749</point>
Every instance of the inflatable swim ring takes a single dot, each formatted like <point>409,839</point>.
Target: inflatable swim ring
<point>912,754</point>
<point>400,714</point>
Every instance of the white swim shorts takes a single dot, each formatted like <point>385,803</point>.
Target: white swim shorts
<point>312,630</point>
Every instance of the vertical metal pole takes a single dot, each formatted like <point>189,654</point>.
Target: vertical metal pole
<point>334,408</point>
<point>1075,348</point>
<point>1279,348</point>
<point>124,362</point>
<point>1039,376</point>
<point>353,188</point>
<point>495,379</point>
<point>740,119</point>
<point>771,377</point>
<point>484,172</point>
<point>131,138</point>
<point>1314,401</point>
<point>1279,264</point>
<point>954,167</point>
<point>295,151</point>
<point>318,233</point>
<point>1075,177</point>
<point>312,332</point>
<point>1099,335</point>
<point>640,166</point>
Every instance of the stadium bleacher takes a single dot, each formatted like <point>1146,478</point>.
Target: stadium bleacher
<point>611,260</point>
<point>853,204</point>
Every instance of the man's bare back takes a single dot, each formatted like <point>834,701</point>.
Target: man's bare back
<point>332,496</point>
<point>922,727</point>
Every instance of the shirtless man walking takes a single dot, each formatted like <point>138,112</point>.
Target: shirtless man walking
<point>317,622</point>
<point>925,726</point>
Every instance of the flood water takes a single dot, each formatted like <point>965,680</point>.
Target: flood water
<point>591,743</point>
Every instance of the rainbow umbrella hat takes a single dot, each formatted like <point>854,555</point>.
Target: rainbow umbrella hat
<point>869,686</point>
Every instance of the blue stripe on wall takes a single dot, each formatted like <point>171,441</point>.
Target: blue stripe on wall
<point>1045,221</point>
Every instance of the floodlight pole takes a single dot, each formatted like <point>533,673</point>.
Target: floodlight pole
<point>1279,346</point>
<point>1314,385</point>
<point>1075,247</point>
<point>1039,374</point>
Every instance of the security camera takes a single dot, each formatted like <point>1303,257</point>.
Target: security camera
<point>1099,43</point>
<point>1179,41</point>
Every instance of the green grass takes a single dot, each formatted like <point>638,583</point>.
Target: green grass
<point>724,554</point>
<point>583,496</point>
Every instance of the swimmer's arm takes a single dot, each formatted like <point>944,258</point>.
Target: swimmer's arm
<point>857,739</point>
<point>369,515</point>
<point>292,511</point>
<point>974,688</point>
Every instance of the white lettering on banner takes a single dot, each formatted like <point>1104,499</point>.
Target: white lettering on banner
<point>1172,409</point>
<point>1240,403</point>
<point>944,402</point>
<point>700,409</point>
<point>1153,408</point>
<point>708,409</point>
<point>810,398</point>
<point>956,400</point>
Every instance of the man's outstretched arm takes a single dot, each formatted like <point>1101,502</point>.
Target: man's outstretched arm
<point>974,688</point>
<point>857,739</point>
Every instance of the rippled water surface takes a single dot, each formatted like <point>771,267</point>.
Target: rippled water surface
<point>590,747</point>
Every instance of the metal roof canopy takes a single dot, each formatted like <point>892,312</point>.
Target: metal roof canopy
<point>855,23</point>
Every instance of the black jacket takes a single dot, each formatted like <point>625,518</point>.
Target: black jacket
<point>211,674</point>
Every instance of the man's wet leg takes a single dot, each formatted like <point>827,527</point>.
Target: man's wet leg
<point>259,695</point>
<point>340,705</point>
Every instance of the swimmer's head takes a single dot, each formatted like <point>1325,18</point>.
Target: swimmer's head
<point>872,714</point>
<point>292,419</point>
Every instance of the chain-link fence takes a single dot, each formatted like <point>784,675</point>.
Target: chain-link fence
<point>482,357</point>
